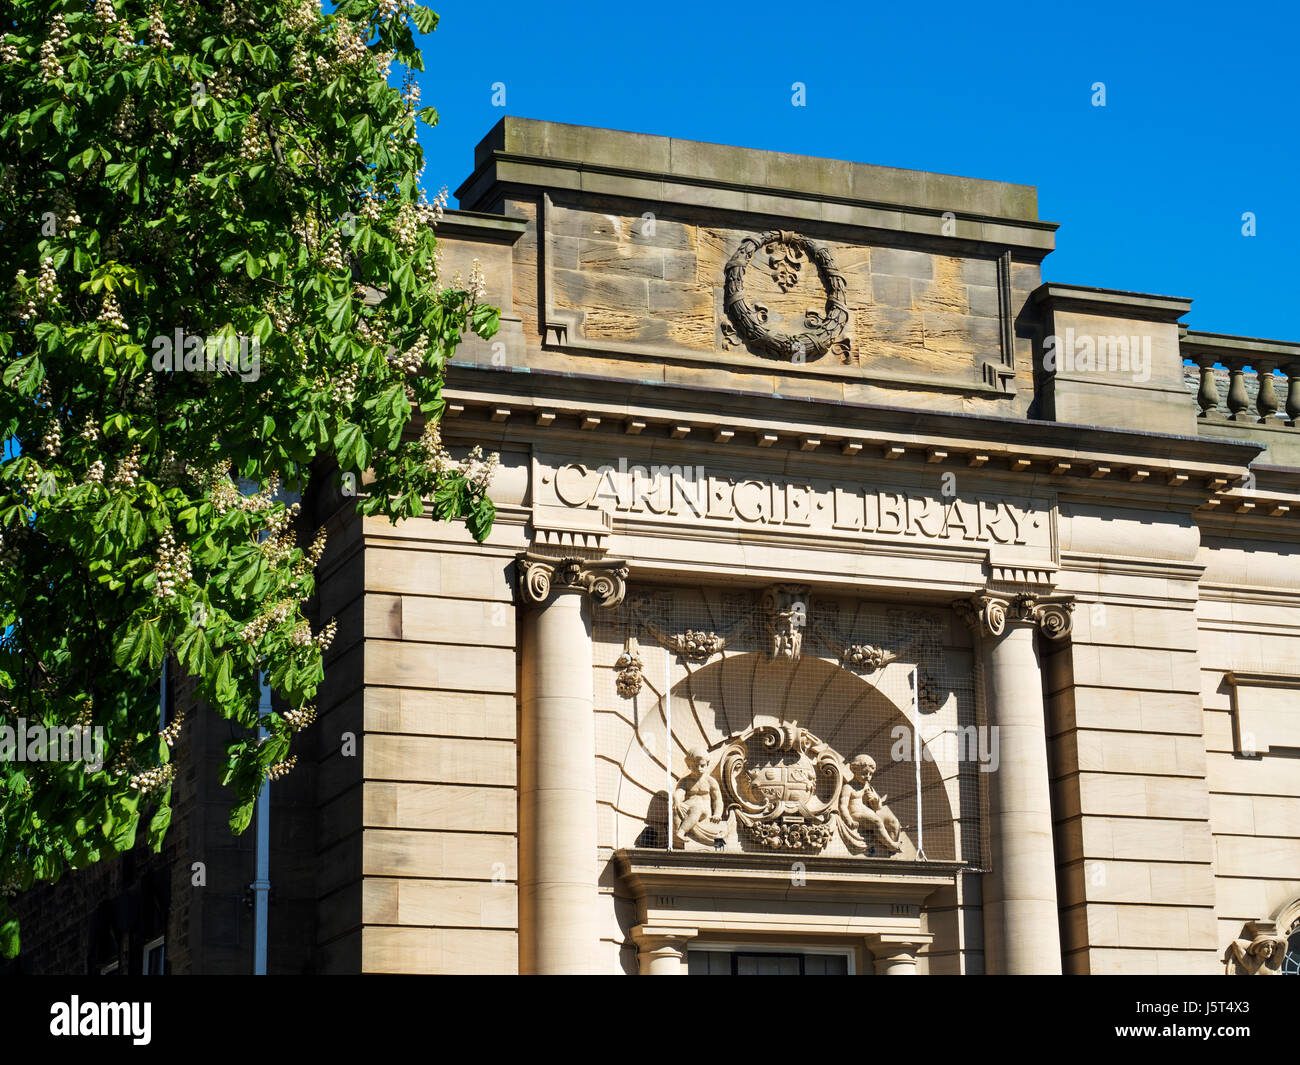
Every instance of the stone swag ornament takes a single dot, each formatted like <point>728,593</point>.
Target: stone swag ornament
<point>696,646</point>
<point>629,676</point>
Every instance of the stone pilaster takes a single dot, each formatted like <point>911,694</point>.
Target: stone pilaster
<point>895,955</point>
<point>660,951</point>
<point>557,741</point>
<point>1021,920</point>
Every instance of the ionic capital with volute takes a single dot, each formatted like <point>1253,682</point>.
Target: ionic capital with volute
<point>540,576</point>
<point>990,614</point>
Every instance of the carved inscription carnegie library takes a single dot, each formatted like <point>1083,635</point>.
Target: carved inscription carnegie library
<point>834,508</point>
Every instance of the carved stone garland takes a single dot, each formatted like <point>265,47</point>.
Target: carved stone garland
<point>694,645</point>
<point>783,614</point>
<point>630,676</point>
<point>856,657</point>
<point>786,253</point>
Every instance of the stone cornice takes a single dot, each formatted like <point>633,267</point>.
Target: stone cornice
<point>543,155</point>
<point>1113,303</point>
<point>566,144</point>
<point>478,226</point>
<point>1089,460</point>
<point>1032,239</point>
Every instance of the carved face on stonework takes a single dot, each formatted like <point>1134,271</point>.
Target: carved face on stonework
<point>786,630</point>
<point>697,761</point>
<point>864,767</point>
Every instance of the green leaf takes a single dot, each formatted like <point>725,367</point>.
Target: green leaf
<point>311,428</point>
<point>424,19</point>
<point>159,824</point>
<point>263,327</point>
<point>124,177</point>
<point>223,682</point>
<point>24,375</point>
<point>241,816</point>
<point>351,447</point>
<point>481,516</point>
<point>142,646</point>
<point>338,313</point>
<point>83,162</point>
<point>485,321</point>
<point>195,653</point>
<point>126,819</point>
<point>9,941</point>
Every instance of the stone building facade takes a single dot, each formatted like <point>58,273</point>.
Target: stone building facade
<point>857,603</point>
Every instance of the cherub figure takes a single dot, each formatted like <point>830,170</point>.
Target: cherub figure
<point>697,802</point>
<point>863,810</point>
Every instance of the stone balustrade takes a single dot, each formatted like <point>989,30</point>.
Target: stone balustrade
<point>1244,380</point>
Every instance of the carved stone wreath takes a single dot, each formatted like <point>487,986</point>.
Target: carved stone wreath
<point>786,252</point>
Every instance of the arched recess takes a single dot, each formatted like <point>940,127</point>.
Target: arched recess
<point>731,695</point>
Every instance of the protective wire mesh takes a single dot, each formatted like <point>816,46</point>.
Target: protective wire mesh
<point>781,693</point>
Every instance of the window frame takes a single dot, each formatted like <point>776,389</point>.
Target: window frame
<point>787,949</point>
<point>160,944</point>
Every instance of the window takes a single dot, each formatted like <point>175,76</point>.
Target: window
<point>1291,961</point>
<point>759,962</point>
<point>154,957</point>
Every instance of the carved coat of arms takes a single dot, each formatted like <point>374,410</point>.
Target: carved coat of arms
<point>780,787</point>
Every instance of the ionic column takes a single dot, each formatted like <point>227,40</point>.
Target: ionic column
<point>557,765</point>
<point>661,951</point>
<point>895,955</point>
<point>1021,924</point>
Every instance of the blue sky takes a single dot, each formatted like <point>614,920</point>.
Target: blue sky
<point>1201,122</point>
